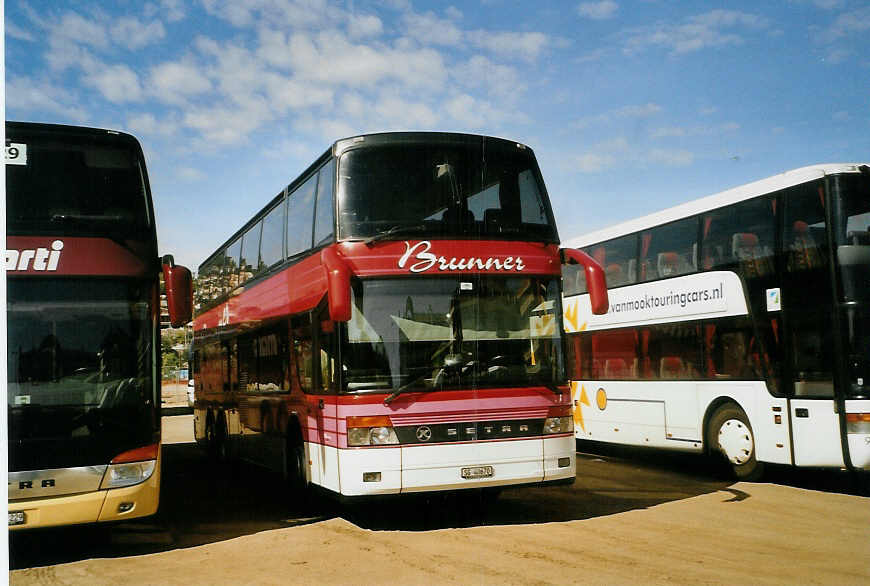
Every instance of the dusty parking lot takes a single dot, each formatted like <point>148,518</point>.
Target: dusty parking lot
<point>628,519</point>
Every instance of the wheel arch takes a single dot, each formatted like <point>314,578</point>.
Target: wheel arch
<point>712,407</point>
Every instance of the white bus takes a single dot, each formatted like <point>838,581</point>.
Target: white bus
<point>739,324</point>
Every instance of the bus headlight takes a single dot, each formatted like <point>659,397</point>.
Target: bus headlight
<point>371,431</point>
<point>857,422</point>
<point>119,475</point>
<point>558,425</point>
<point>559,420</point>
<point>131,467</point>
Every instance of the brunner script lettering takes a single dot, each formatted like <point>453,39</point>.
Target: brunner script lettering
<point>422,260</point>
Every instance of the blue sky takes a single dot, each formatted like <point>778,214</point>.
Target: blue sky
<point>631,107</point>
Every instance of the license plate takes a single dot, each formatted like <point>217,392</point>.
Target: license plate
<point>477,472</point>
<point>19,518</point>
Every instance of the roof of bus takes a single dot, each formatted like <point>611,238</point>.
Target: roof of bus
<point>717,200</point>
<point>379,138</point>
<point>13,127</point>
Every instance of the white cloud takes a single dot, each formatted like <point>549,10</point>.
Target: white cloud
<point>480,72</point>
<point>364,25</point>
<point>428,29</point>
<point>598,10</point>
<point>223,125</point>
<point>632,111</point>
<point>293,14</point>
<point>853,22</point>
<point>189,174</point>
<point>133,34</point>
<point>27,95</point>
<point>472,113</point>
<point>79,29</point>
<point>594,162</point>
<point>117,83</point>
<point>713,29</point>
<point>175,82</point>
<point>146,124</point>
<point>15,32</point>
<point>173,10</point>
<point>689,131</point>
<point>526,45</point>
<point>671,158</point>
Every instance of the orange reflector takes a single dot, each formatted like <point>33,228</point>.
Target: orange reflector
<point>137,455</point>
<point>370,421</point>
<point>857,417</point>
<point>560,411</point>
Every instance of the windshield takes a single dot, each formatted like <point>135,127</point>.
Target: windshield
<point>450,333</point>
<point>80,365</point>
<point>76,185</point>
<point>476,189</point>
<point>852,239</point>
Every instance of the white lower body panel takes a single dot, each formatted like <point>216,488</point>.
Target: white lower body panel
<point>439,467</point>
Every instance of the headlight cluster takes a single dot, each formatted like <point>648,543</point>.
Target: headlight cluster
<point>120,475</point>
<point>370,431</point>
<point>558,425</point>
<point>132,467</point>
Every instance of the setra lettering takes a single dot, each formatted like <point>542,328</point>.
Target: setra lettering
<point>43,259</point>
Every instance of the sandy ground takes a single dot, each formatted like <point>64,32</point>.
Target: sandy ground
<point>739,533</point>
<point>748,533</point>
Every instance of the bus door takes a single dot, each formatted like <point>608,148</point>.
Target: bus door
<point>807,307</point>
<point>313,352</point>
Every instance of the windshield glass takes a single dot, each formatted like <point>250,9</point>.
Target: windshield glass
<point>79,362</point>
<point>852,239</point>
<point>440,333</point>
<point>76,186</point>
<point>479,189</point>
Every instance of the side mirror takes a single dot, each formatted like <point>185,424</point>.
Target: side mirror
<point>337,285</point>
<point>179,292</point>
<point>596,283</point>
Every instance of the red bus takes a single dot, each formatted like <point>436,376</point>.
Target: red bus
<point>390,323</point>
<point>83,310</point>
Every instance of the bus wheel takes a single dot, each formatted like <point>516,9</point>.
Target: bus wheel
<point>296,476</point>
<point>729,433</point>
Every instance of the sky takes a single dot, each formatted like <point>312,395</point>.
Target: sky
<point>629,106</point>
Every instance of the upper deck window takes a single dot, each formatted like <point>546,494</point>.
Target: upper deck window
<point>77,185</point>
<point>476,189</point>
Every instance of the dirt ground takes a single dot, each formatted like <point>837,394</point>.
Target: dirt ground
<point>747,533</point>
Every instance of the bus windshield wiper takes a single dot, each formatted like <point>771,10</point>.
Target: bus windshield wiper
<point>100,218</point>
<point>397,230</point>
<point>404,388</point>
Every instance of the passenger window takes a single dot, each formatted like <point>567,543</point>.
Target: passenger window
<point>300,217</point>
<point>669,250</point>
<point>740,237</point>
<point>250,245</point>
<point>272,242</point>
<point>619,259</point>
<point>324,221</point>
<point>230,270</point>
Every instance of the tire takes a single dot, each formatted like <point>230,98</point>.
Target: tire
<point>729,434</point>
<point>295,472</point>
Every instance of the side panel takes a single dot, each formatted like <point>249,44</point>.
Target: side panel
<point>670,414</point>
<point>816,428</point>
